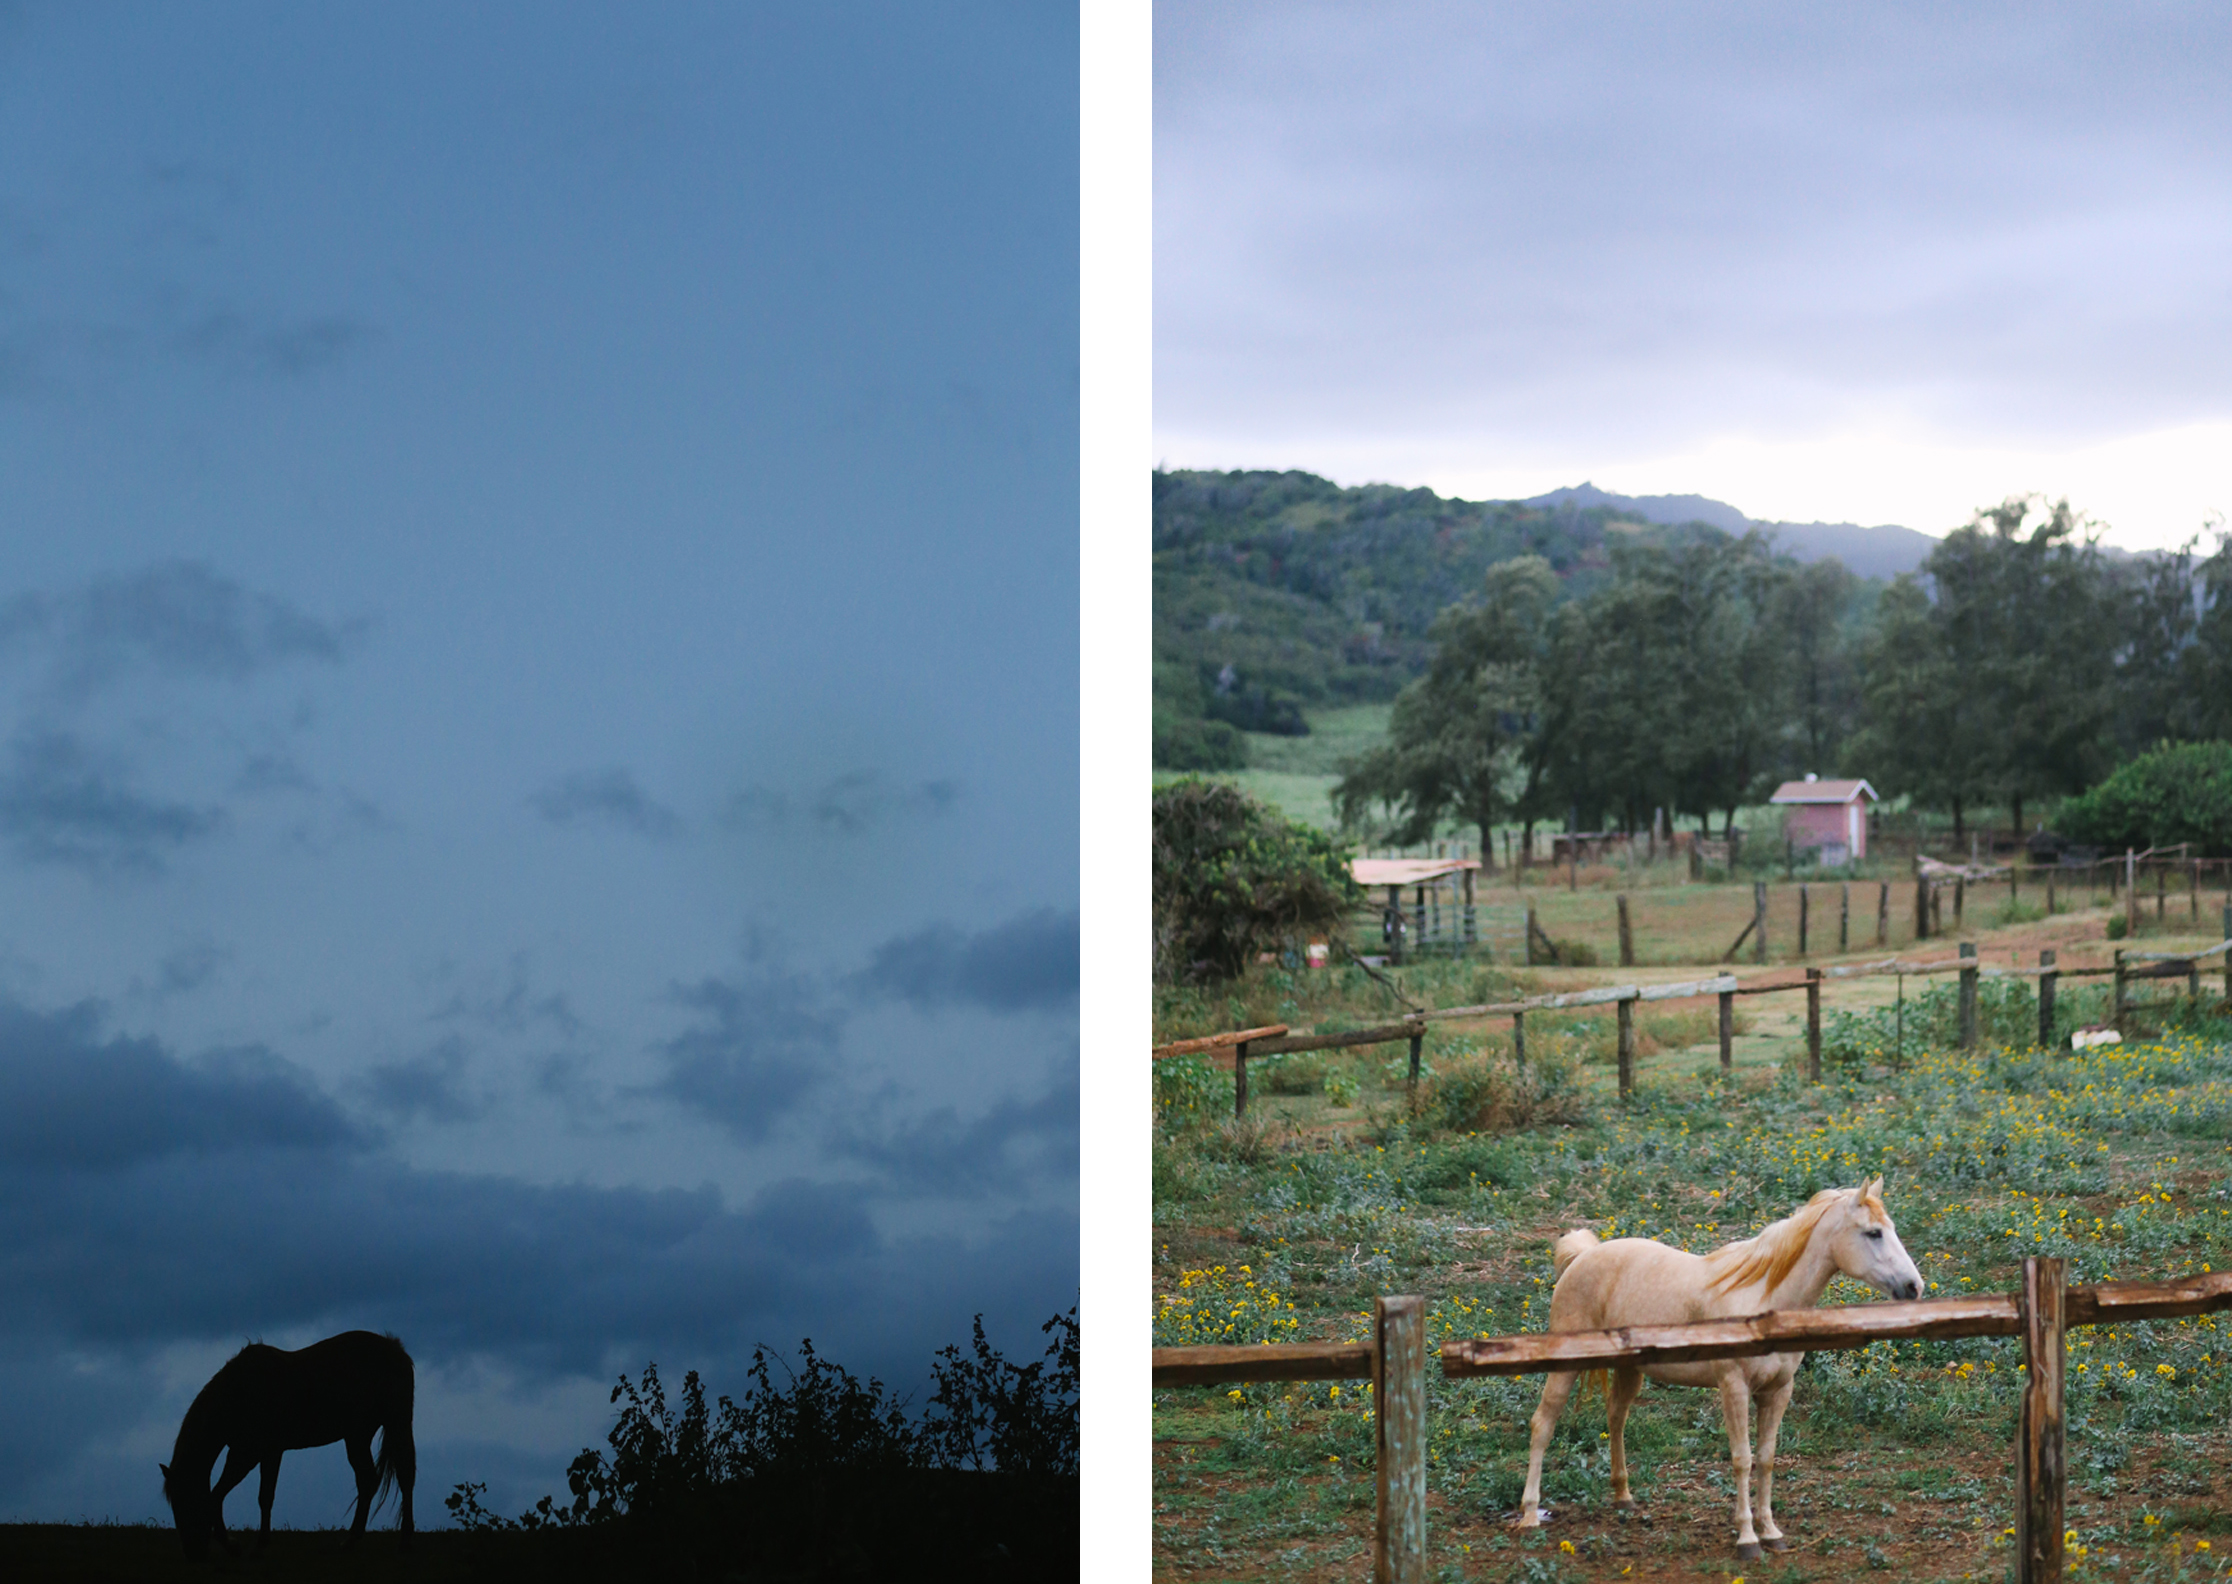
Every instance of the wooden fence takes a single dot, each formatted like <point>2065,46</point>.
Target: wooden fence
<point>1785,920</point>
<point>2128,968</point>
<point>1395,1361</point>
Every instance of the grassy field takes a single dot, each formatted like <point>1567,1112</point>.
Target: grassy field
<point>1895,1461</point>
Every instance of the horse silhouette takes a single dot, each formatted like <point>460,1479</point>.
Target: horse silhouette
<point>267,1401</point>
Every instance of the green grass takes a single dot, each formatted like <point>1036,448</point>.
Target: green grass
<point>2118,1161</point>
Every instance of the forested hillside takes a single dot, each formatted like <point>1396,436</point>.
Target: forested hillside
<point>1563,664</point>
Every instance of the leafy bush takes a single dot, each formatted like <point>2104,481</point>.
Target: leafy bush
<point>1188,1090</point>
<point>1475,1093</point>
<point>1233,877</point>
<point>1190,743</point>
<point>2178,792</point>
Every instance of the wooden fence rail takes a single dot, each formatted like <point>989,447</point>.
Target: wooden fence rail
<point>2040,1312</point>
<point>1277,1040</point>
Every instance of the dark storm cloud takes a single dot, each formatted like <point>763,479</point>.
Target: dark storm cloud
<point>72,1101</point>
<point>1029,962</point>
<point>763,1044</point>
<point>64,802</point>
<point>605,797</point>
<point>175,619</point>
<point>1019,1144</point>
<point>242,1201</point>
<point>848,805</point>
<point>430,1086</point>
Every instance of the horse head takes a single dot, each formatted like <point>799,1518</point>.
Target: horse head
<point>191,1511</point>
<point>1866,1246</point>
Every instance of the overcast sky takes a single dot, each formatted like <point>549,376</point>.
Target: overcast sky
<point>538,671</point>
<point>1883,263</point>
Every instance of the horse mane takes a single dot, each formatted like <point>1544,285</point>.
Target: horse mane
<point>209,1402</point>
<point>1773,1254</point>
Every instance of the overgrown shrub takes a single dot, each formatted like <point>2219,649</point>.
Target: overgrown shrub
<point>1234,877</point>
<point>1473,1092</point>
<point>2178,792</point>
<point>1187,1091</point>
<point>1190,743</point>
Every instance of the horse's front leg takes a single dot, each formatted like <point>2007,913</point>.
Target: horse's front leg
<point>266,1489</point>
<point>1626,1382</point>
<point>1771,1409</point>
<point>237,1464</point>
<point>1555,1389</point>
<point>1736,1409</point>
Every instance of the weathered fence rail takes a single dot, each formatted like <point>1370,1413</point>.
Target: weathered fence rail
<point>2129,966</point>
<point>1395,1360</point>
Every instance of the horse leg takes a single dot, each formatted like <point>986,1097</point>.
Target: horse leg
<point>1555,1389</point>
<point>368,1481</point>
<point>401,1452</point>
<point>1736,1409</point>
<point>1626,1382</point>
<point>1770,1422</point>
<point>237,1464</point>
<point>266,1488</point>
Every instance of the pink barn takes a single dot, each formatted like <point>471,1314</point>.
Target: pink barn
<point>1829,815</point>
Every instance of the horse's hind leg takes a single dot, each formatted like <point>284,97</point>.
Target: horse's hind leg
<point>1736,1409</point>
<point>1626,1382</point>
<point>266,1489</point>
<point>1770,1423</point>
<point>367,1478</point>
<point>1555,1389</point>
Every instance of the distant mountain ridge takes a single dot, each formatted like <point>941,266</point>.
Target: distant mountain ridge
<point>1883,551</point>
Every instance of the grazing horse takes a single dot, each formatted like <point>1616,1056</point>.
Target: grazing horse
<point>1639,1281</point>
<point>266,1401</point>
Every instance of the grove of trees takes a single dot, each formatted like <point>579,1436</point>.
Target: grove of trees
<point>2023,663</point>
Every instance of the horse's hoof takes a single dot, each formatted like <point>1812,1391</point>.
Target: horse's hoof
<point>1749,1551</point>
<point>1774,1542</point>
<point>1531,1518</point>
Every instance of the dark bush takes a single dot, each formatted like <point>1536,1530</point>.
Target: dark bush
<point>2178,792</point>
<point>1233,877</point>
<point>1189,743</point>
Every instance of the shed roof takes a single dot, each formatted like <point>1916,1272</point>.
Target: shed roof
<point>1406,871</point>
<point>1824,792</point>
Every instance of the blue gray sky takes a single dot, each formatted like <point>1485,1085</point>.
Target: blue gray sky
<point>1878,264</point>
<point>538,707</point>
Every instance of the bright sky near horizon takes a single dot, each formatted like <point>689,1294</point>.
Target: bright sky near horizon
<point>538,707</point>
<point>1886,264</point>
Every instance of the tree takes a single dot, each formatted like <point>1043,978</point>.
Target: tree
<point>2178,792</point>
<point>1457,734</point>
<point>1233,877</point>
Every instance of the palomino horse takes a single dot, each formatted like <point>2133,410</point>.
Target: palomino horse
<point>266,1401</point>
<point>1638,1281</point>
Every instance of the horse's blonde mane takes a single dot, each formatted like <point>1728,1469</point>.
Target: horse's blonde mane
<point>1775,1252</point>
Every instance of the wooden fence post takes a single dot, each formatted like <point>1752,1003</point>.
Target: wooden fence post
<point>1626,1010</point>
<point>2193,888</point>
<point>2131,893</point>
<point>1240,1079</point>
<point>2050,893</point>
<point>1759,921</point>
<point>1472,920</point>
<point>1802,911</point>
<point>2118,1003</point>
<point>2162,891</point>
<point>1396,924</point>
<point>1627,940</point>
<point>2039,1472</point>
<point>1399,1419</point>
<point>1728,1027</point>
<point>2014,875</point>
<point>2227,935</point>
<point>1922,907</point>
<point>1960,895</point>
<point>1883,914</point>
<point>1519,1038</point>
<point>1968,997</point>
<point>1813,1024</point>
<point>2046,983</point>
<point>1531,928</point>
<point>1417,1054</point>
<point>1844,920</point>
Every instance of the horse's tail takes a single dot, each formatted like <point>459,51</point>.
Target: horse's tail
<point>1571,1247</point>
<point>398,1457</point>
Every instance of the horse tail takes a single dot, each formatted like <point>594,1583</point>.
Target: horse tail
<point>398,1450</point>
<point>1571,1247</point>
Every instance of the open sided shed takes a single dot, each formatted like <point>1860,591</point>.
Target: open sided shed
<point>1829,815</point>
<point>1441,888</point>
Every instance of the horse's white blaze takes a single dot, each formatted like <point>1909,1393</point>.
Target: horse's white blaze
<point>1638,1281</point>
